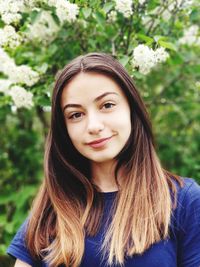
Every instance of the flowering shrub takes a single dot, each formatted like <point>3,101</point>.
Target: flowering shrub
<point>146,58</point>
<point>157,41</point>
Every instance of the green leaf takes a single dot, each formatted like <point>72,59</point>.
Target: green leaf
<point>108,6</point>
<point>195,16</point>
<point>1,23</point>
<point>145,38</point>
<point>159,37</point>
<point>176,60</point>
<point>152,4</point>
<point>6,198</point>
<point>138,75</point>
<point>9,227</point>
<point>3,248</point>
<point>124,60</point>
<point>167,45</point>
<point>86,12</point>
<point>42,100</point>
<point>192,69</point>
<point>42,68</point>
<point>100,18</point>
<point>34,15</point>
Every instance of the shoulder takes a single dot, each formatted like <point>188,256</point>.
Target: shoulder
<point>187,223</point>
<point>188,204</point>
<point>18,249</point>
<point>189,192</point>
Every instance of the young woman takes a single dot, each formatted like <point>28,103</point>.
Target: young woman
<point>105,199</point>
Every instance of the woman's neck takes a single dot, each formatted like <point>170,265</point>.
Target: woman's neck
<point>103,176</point>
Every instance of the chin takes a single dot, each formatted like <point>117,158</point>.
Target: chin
<point>102,159</point>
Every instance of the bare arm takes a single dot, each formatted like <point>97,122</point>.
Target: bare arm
<point>19,263</point>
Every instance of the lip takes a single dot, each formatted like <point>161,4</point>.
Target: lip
<point>99,142</point>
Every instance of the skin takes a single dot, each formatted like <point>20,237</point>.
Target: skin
<point>19,263</point>
<point>95,107</point>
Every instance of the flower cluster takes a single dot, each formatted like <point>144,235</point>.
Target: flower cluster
<point>160,55</point>
<point>22,74</point>
<point>17,74</point>
<point>167,13</point>
<point>5,85</point>
<point>65,10</point>
<point>197,84</point>
<point>190,36</point>
<point>9,37</point>
<point>112,16</point>
<point>5,60</point>
<point>21,97</point>
<point>141,2</point>
<point>180,4</point>
<point>44,28</point>
<point>124,7</point>
<point>146,58</point>
<point>10,10</point>
<point>32,3</point>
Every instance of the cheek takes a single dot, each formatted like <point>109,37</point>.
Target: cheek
<point>74,134</point>
<point>124,124</point>
<point>123,118</point>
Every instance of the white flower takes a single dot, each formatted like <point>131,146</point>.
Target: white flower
<point>10,10</point>
<point>13,109</point>
<point>47,108</point>
<point>141,2</point>
<point>166,15</point>
<point>9,37</point>
<point>124,7</point>
<point>197,84</point>
<point>4,85</point>
<point>83,23</point>
<point>146,58</point>
<point>5,60</point>
<point>180,4</point>
<point>11,6</point>
<point>161,55</point>
<point>31,3</point>
<point>185,4</point>
<point>9,18</point>
<point>44,28</point>
<point>17,74</point>
<point>22,74</point>
<point>112,16</point>
<point>21,97</point>
<point>66,11</point>
<point>190,36</point>
<point>52,2</point>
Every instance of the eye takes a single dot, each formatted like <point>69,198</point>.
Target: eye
<point>75,116</point>
<point>108,105</point>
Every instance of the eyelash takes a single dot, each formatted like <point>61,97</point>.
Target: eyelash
<point>71,117</point>
<point>110,103</point>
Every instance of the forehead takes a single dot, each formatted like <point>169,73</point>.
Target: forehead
<point>86,86</point>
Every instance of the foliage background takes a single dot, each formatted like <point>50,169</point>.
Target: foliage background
<point>171,90</point>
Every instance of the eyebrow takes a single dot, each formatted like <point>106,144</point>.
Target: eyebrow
<point>95,100</point>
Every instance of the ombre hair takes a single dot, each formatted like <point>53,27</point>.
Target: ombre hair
<point>68,206</point>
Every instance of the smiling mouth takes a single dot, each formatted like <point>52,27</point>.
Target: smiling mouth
<point>99,143</point>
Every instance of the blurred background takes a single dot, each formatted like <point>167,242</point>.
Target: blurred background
<point>158,42</point>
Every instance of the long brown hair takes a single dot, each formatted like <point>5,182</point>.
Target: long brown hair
<point>68,206</point>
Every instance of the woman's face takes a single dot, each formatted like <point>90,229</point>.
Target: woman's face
<point>97,116</point>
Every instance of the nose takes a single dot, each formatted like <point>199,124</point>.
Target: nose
<point>95,124</point>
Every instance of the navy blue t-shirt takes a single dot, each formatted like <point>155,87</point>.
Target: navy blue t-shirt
<point>181,249</point>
